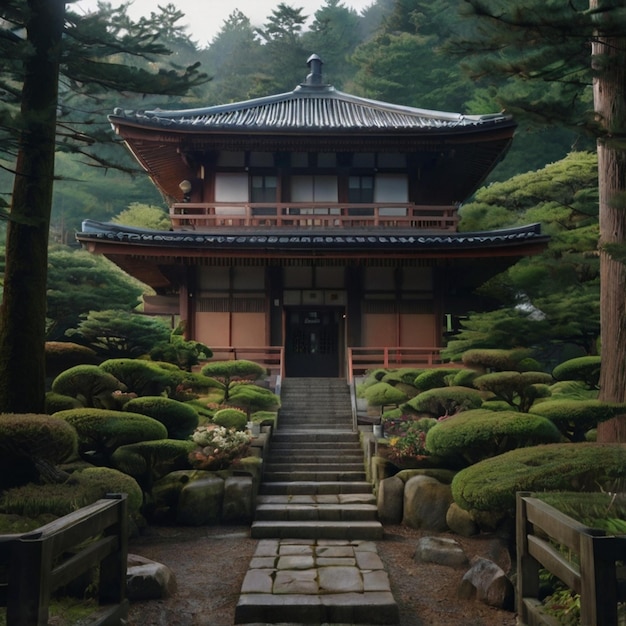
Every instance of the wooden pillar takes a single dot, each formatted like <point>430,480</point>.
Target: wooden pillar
<point>354,299</point>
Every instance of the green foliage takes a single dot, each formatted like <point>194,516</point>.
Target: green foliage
<point>230,418</point>
<point>179,351</point>
<point>143,378</point>
<point>383,394</point>
<point>445,401</point>
<point>436,377</point>
<point>491,485</point>
<point>144,216</point>
<point>90,385</point>
<point>180,419</point>
<point>574,418</point>
<point>101,431</point>
<point>407,436</point>
<point>572,390</point>
<point>147,461</point>
<point>58,402</point>
<point>518,389</point>
<point>61,355</point>
<point>479,434</point>
<point>118,334</point>
<point>58,499</point>
<point>229,372</point>
<point>495,359</point>
<point>252,398</point>
<point>35,437</point>
<point>463,378</point>
<point>585,369</point>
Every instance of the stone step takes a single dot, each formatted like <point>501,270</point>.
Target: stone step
<point>339,498</point>
<point>317,529</point>
<point>341,465</point>
<point>321,476</point>
<point>316,512</point>
<point>312,487</point>
<point>328,438</point>
<point>313,456</point>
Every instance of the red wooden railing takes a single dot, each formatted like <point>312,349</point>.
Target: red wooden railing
<point>199,215</point>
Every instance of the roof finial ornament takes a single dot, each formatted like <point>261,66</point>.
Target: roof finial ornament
<point>315,70</point>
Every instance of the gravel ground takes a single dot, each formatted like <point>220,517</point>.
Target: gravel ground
<point>210,563</point>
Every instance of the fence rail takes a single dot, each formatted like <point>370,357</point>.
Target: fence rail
<point>38,563</point>
<point>588,566</point>
<point>201,215</point>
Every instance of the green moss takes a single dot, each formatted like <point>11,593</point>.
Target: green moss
<point>480,434</point>
<point>58,402</point>
<point>491,485</point>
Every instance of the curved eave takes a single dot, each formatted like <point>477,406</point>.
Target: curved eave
<point>126,240</point>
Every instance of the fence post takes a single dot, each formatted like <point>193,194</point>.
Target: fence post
<point>527,566</point>
<point>112,584</point>
<point>598,594</point>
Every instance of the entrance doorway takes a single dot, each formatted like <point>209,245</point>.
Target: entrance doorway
<point>312,342</point>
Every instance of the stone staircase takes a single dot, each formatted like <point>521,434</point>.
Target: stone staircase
<point>314,483</point>
<point>316,520</point>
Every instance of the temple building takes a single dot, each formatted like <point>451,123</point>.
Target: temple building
<point>314,221</point>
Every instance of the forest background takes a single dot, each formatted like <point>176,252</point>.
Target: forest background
<point>399,52</point>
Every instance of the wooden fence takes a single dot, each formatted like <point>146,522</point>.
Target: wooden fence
<point>585,559</point>
<point>37,563</point>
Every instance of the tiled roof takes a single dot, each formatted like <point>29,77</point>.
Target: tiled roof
<point>327,239</point>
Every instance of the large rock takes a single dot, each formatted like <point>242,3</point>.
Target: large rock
<point>485,581</point>
<point>426,503</point>
<point>440,550</point>
<point>148,580</point>
<point>460,521</point>
<point>238,505</point>
<point>390,500</point>
<point>201,501</point>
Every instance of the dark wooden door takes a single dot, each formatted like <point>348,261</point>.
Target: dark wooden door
<point>312,342</point>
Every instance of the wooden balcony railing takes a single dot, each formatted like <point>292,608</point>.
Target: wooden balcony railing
<point>201,215</point>
<point>270,357</point>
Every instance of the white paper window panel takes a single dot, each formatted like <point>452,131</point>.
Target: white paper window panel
<point>314,189</point>
<point>391,188</point>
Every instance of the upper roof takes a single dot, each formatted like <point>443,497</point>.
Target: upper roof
<point>313,107</point>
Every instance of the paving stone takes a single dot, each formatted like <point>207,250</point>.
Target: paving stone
<point>267,547</point>
<point>262,562</point>
<point>295,549</point>
<point>340,579</point>
<point>322,561</point>
<point>296,562</point>
<point>300,582</point>
<point>369,560</point>
<point>377,580</point>
<point>335,551</point>
<point>257,581</point>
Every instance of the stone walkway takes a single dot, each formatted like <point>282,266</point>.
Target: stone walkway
<point>316,581</point>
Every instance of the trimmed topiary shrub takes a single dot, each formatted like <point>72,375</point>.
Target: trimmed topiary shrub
<point>90,385</point>
<point>436,377</point>
<point>100,431</point>
<point>518,389</point>
<point>463,378</point>
<point>406,375</point>
<point>585,369</point>
<point>230,372</point>
<point>148,461</point>
<point>490,486</point>
<point>383,394</point>
<point>85,487</point>
<point>140,377</point>
<point>495,360</point>
<point>572,390</point>
<point>30,442</point>
<point>180,419</point>
<point>251,398</point>
<point>230,418</point>
<point>574,418</point>
<point>58,402</point>
<point>480,434</point>
<point>445,401</point>
<point>61,355</point>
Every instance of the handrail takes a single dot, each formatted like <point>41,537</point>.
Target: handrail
<point>200,215</point>
<point>40,562</point>
<point>591,572</point>
<point>363,359</point>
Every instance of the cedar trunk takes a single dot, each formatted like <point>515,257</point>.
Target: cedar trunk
<point>23,310</point>
<point>609,63</point>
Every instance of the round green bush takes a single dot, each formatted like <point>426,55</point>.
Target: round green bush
<point>33,436</point>
<point>57,402</point>
<point>239,369</point>
<point>464,377</point>
<point>585,369</point>
<point>180,419</point>
<point>436,377</point>
<point>90,385</point>
<point>230,418</point>
<point>141,377</point>
<point>251,398</point>
<point>494,359</point>
<point>101,431</point>
<point>383,394</point>
<point>491,485</point>
<point>480,434</point>
<point>61,355</point>
<point>575,417</point>
<point>444,401</point>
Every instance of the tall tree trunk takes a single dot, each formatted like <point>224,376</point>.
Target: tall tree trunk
<point>609,64</point>
<point>23,310</point>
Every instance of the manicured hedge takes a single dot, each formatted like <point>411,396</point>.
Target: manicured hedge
<point>230,418</point>
<point>436,377</point>
<point>585,369</point>
<point>490,486</point>
<point>90,385</point>
<point>480,434</point>
<point>180,419</point>
<point>384,394</point>
<point>443,401</point>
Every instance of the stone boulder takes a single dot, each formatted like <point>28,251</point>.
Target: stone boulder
<point>460,521</point>
<point>426,502</point>
<point>238,505</point>
<point>148,580</point>
<point>390,500</point>
<point>440,550</point>
<point>485,581</point>
<point>201,501</point>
